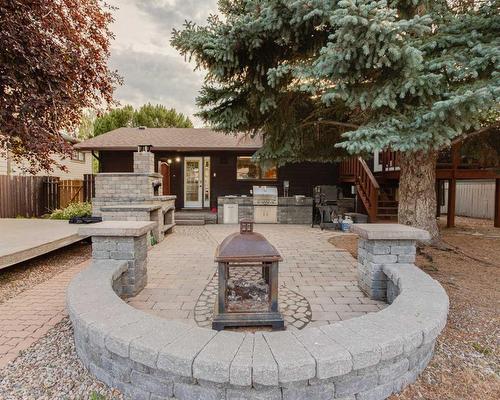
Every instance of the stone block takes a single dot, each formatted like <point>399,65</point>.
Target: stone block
<point>214,360</point>
<point>264,366</point>
<point>145,349</point>
<point>389,232</point>
<point>406,258</point>
<point>374,247</point>
<point>240,373</point>
<point>131,391</point>
<point>382,259</point>
<point>380,392</point>
<point>390,344</point>
<point>119,338</point>
<point>390,371</point>
<point>365,352</point>
<point>294,362</point>
<point>185,391</point>
<point>116,369</point>
<point>253,394</point>
<point>317,392</point>
<point>148,383</point>
<point>415,359</point>
<point>331,358</point>
<point>177,357</point>
<point>352,383</point>
<point>407,250</point>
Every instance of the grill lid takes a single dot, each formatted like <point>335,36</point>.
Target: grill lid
<point>246,246</point>
<point>267,191</point>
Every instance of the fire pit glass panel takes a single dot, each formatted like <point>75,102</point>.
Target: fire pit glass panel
<point>248,281</point>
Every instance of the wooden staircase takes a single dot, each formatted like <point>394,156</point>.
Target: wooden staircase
<point>387,205</point>
<point>355,170</point>
<point>380,203</point>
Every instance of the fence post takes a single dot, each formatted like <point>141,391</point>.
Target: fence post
<point>88,187</point>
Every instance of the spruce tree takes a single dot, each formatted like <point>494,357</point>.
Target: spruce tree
<point>322,79</point>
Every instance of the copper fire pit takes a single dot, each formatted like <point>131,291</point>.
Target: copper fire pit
<point>242,303</point>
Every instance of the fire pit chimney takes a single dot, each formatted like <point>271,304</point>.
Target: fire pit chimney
<point>247,249</point>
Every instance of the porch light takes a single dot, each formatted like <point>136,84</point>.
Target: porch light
<point>169,161</point>
<point>177,159</point>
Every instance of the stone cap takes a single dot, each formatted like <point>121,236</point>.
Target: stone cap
<point>117,228</point>
<point>132,207</point>
<point>107,323</point>
<point>389,232</point>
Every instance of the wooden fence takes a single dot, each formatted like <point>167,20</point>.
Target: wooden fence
<point>33,196</point>
<point>21,196</point>
<point>474,199</point>
<point>70,191</point>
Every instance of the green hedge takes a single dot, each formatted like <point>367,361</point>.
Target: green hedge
<point>73,210</point>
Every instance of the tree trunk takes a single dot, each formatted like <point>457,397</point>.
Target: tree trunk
<point>417,191</point>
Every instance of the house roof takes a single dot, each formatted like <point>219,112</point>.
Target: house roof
<point>177,139</point>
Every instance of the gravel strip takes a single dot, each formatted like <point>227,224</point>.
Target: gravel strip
<point>25,275</point>
<point>50,370</point>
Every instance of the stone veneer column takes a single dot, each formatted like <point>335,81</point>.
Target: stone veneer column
<point>144,162</point>
<point>124,241</point>
<point>379,245</point>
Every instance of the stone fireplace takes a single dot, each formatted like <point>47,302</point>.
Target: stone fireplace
<point>135,196</point>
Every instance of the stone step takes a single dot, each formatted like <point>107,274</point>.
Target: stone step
<point>189,222</point>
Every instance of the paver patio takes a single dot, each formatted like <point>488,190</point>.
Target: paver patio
<point>182,266</point>
<point>28,316</point>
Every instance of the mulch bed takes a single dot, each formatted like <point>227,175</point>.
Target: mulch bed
<point>466,364</point>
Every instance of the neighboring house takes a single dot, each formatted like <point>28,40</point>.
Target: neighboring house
<point>199,165</point>
<point>79,164</point>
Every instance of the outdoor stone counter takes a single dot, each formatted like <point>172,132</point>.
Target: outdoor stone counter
<point>147,357</point>
<point>290,210</point>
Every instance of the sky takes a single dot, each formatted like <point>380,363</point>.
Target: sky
<point>153,71</point>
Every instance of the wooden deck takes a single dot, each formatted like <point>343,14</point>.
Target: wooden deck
<point>355,171</point>
<point>23,239</point>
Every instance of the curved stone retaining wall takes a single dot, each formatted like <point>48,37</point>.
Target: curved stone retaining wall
<point>147,357</point>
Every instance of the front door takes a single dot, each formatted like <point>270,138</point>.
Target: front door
<point>165,171</point>
<point>193,182</point>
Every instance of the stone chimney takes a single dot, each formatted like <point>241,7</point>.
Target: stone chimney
<point>144,160</point>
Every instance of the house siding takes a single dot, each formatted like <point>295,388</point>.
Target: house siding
<point>75,169</point>
<point>303,177</point>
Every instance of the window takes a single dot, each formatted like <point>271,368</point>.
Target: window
<point>78,156</point>
<point>248,169</point>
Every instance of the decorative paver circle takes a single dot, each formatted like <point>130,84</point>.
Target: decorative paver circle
<point>295,308</point>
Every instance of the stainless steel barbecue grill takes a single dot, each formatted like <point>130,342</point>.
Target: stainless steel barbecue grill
<point>265,204</point>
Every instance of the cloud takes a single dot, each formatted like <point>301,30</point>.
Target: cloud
<point>157,78</point>
<point>153,71</point>
<point>170,14</point>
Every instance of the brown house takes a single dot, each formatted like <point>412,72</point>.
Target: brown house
<point>199,165</point>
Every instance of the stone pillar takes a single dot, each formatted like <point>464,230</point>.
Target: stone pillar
<point>144,162</point>
<point>122,241</point>
<point>381,244</point>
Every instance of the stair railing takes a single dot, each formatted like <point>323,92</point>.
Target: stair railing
<point>366,184</point>
<point>389,160</point>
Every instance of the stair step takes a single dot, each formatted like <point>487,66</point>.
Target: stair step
<point>190,222</point>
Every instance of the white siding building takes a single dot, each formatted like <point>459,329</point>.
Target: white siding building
<point>78,165</point>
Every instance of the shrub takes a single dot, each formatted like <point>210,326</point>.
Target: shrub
<point>73,210</point>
